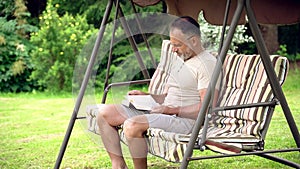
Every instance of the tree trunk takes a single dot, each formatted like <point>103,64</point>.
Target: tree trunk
<point>270,35</point>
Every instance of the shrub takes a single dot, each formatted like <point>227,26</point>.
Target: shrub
<point>212,36</point>
<point>15,63</point>
<point>59,41</point>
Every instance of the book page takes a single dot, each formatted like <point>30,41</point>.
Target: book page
<point>140,102</point>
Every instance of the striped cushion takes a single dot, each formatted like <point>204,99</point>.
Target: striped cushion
<point>159,79</point>
<point>92,111</point>
<point>246,82</point>
<point>166,145</point>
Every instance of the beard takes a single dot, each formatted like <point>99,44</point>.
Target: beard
<point>186,55</point>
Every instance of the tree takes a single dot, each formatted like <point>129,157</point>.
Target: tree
<point>270,36</point>
<point>15,63</point>
<point>58,43</point>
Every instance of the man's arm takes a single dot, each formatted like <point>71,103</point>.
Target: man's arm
<point>190,111</point>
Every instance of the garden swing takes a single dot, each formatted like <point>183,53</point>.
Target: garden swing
<point>236,127</point>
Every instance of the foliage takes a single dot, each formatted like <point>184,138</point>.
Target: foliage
<point>94,10</point>
<point>283,51</point>
<point>15,62</point>
<point>94,13</point>
<point>58,43</point>
<point>74,7</point>
<point>123,54</point>
<point>289,36</point>
<point>211,35</point>
<point>7,8</point>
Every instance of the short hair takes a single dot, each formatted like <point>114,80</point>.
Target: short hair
<point>187,25</point>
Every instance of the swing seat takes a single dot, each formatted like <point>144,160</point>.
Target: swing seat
<point>238,123</point>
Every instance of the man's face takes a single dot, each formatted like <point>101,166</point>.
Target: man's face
<point>180,44</point>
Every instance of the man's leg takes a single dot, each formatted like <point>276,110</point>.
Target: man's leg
<point>108,117</point>
<point>134,129</point>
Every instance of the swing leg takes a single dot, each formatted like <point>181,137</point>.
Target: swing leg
<point>188,153</point>
<point>276,88</point>
<point>83,85</point>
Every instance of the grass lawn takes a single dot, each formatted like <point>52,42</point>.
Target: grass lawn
<point>32,127</point>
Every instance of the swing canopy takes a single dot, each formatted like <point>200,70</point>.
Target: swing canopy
<point>266,11</point>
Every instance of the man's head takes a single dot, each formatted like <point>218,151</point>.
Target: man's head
<point>185,37</point>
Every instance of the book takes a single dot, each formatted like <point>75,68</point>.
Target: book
<point>140,102</point>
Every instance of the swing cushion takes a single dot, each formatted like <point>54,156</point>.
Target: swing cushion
<point>245,81</point>
<point>160,77</point>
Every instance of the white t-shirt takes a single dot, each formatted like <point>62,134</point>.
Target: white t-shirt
<point>187,78</point>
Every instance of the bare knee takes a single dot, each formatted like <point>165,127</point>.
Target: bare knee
<point>103,112</point>
<point>134,128</point>
<point>130,129</point>
<point>111,114</point>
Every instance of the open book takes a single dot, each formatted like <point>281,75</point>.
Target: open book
<point>140,102</point>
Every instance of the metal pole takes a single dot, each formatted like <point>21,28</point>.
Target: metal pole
<point>219,63</point>
<point>188,153</point>
<point>276,88</point>
<point>111,47</point>
<point>137,18</point>
<point>133,44</point>
<point>228,3</point>
<point>84,85</point>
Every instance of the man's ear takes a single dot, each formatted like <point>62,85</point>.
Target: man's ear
<point>194,41</point>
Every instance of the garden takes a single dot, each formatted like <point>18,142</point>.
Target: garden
<point>40,45</point>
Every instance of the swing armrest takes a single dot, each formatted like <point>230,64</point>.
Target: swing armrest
<point>106,90</point>
<point>127,83</point>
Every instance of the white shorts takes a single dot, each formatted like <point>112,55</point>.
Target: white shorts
<point>169,123</point>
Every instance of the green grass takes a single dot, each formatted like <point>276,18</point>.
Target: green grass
<point>32,127</point>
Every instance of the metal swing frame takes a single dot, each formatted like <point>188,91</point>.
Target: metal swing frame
<point>276,88</point>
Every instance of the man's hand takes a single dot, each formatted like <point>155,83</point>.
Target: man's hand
<point>136,92</point>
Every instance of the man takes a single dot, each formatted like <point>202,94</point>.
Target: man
<point>179,108</point>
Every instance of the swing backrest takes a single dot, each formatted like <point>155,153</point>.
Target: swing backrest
<point>245,82</point>
<point>159,79</point>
